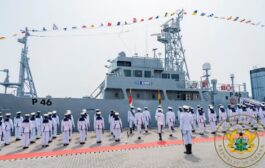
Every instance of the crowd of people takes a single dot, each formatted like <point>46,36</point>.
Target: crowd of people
<point>30,127</point>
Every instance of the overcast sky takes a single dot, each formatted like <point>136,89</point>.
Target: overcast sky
<point>73,66</point>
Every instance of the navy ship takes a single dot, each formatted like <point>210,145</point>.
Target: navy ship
<point>146,79</point>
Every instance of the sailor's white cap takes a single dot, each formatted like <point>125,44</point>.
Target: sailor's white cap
<point>159,106</point>
<point>180,107</point>
<point>45,115</point>
<point>116,113</point>
<point>132,107</point>
<point>244,105</point>
<point>8,114</point>
<point>221,106</point>
<point>198,106</point>
<point>191,108</point>
<point>38,111</point>
<point>33,113</point>
<point>146,108</point>
<point>169,108</point>
<point>160,110</point>
<point>49,113</point>
<point>26,115</point>
<point>18,112</point>
<point>83,113</point>
<point>68,112</point>
<point>139,109</point>
<point>84,110</point>
<point>211,107</point>
<point>262,105</point>
<point>186,107</point>
<point>97,110</point>
<point>54,112</point>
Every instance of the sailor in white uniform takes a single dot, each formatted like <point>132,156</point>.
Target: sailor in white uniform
<point>8,127</point>
<point>180,110</point>
<point>139,120</point>
<point>233,115</point>
<point>87,118</point>
<point>55,124</point>
<point>26,128</point>
<point>201,119</point>
<point>239,112</point>
<point>45,131</point>
<point>111,121</point>
<point>186,121</point>
<point>255,112</point>
<point>131,118</point>
<point>39,120</point>
<point>223,118</point>
<point>99,126</point>
<point>160,119</point>
<point>82,128</point>
<point>117,127</point>
<point>244,115</point>
<point>212,119</point>
<point>147,118</point>
<point>262,114</point>
<point>194,119</point>
<point>18,125</point>
<point>170,120</point>
<point>50,122</point>
<point>33,126</point>
<point>158,108</point>
<point>66,126</point>
<point>71,119</point>
<point>1,131</point>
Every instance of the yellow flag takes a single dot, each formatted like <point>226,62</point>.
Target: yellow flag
<point>92,26</point>
<point>159,97</point>
<point>229,18</point>
<point>2,38</point>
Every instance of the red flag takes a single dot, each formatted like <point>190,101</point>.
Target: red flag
<point>150,18</point>
<point>130,98</point>
<point>84,26</point>
<point>134,20</point>
<point>248,21</point>
<point>109,24</point>
<point>142,20</point>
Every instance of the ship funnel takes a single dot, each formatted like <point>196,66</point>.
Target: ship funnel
<point>214,84</point>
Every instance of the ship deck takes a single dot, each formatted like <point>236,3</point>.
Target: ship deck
<point>130,152</point>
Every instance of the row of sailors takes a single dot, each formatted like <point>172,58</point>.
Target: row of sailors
<point>34,126</point>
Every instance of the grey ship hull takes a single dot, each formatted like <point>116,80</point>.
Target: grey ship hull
<point>11,103</point>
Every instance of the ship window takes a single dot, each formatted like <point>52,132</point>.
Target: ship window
<point>175,76</point>
<point>165,76</point>
<point>137,73</point>
<point>116,95</point>
<point>124,63</point>
<point>127,73</point>
<point>147,74</point>
<point>138,95</point>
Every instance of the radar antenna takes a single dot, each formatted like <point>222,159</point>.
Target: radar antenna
<point>26,86</point>
<point>174,52</point>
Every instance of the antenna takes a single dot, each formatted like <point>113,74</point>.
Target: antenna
<point>26,86</point>
<point>174,52</point>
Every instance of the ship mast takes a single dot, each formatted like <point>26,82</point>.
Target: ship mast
<point>26,86</point>
<point>174,52</point>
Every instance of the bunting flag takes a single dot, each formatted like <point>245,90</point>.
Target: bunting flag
<point>2,38</point>
<point>229,18</point>
<point>236,19</point>
<point>195,13</point>
<point>159,97</point>
<point>150,18</point>
<point>203,14</point>
<point>130,98</point>
<point>54,27</point>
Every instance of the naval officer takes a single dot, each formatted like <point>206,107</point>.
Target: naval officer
<point>131,118</point>
<point>186,121</point>
<point>18,124</point>
<point>82,128</point>
<point>111,121</point>
<point>26,128</point>
<point>147,118</point>
<point>39,120</point>
<point>33,126</point>
<point>1,131</point>
<point>66,126</point>
<point>160,119</point>
<point>55,124</point>
<point>201,120</point>
<point>8,128</point>
<point>212,118</point>
<point>139,122</point>
<point>223,117</point>
<point>45,131</point>
<point>170,120</point>
<point>99,126</point>
<point>117,127</point>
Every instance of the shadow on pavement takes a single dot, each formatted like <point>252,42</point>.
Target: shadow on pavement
<point>192,158</point>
